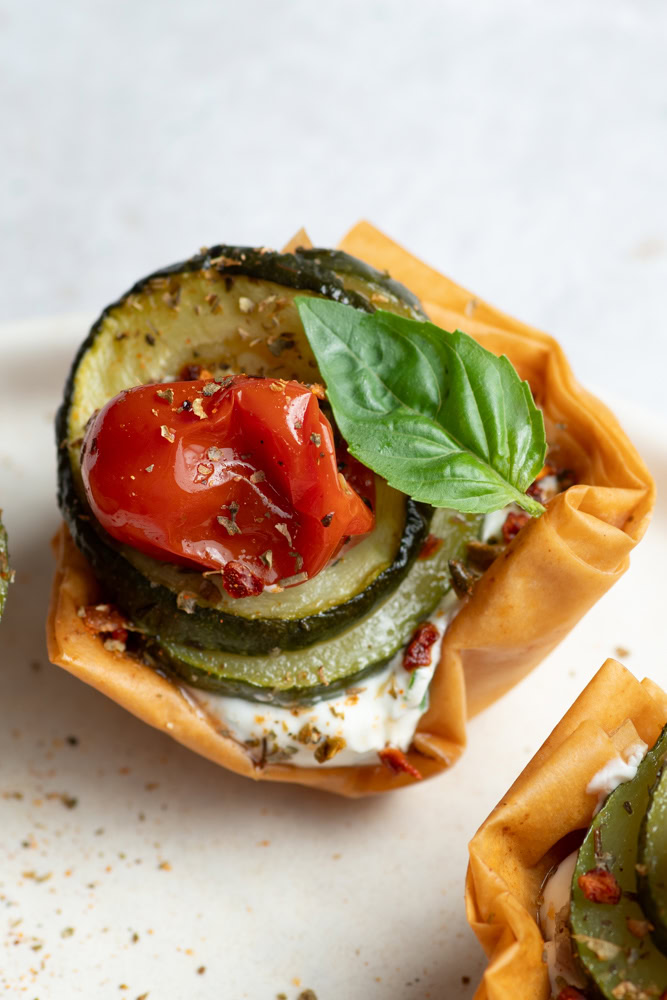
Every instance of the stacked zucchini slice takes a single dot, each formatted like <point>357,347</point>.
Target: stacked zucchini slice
<point>226,310</point>
<point>618,910</point>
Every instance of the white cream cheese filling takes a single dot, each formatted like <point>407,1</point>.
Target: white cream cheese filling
<point>615,772</point>
<point>383,710</point>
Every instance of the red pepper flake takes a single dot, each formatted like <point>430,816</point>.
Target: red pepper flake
<point>418,650</point>
<point>535,491</point>
<point>396,761</point>
<point>239,581</point>
<point>430,547</point>
<point>318,390</point>
<point>514,522</point>
<point>600,886</point>
<point>570,993</point>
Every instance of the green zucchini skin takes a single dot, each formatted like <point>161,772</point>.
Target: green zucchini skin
<point>154,608</point>
<point>653,861</point>
<point>292,677</point>
<point>181,673</point>
<point>5,571</point>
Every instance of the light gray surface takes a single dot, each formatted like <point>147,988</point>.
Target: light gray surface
<point>519,146</point>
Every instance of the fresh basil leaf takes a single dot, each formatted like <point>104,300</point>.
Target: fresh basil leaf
<point>434,413</point>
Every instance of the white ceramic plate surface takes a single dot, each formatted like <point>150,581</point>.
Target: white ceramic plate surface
<point>130,867</point>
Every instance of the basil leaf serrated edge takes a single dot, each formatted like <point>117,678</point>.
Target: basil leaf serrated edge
<point>436,414</point>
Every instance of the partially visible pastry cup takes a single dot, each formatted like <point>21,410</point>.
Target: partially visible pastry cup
<point>556,568</point>
<point>542,819</point>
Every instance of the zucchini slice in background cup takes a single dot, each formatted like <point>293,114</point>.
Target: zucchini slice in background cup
<point>576,550</point>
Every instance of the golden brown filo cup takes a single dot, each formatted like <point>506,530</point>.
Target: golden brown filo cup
<point>532,827</point>
<point>526,602</point>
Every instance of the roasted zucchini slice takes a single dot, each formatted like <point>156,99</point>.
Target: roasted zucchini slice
<point>230,309</point>
<point>321,670</point>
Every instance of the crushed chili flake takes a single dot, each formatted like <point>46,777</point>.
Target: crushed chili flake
<point>513,524</point>
<point>267,558</point>
<point>418,651</point>
<point>570,993</point>
<point>535,491</point>
<point>239,581</point>
<point>210,388</point>
<point>167,433</point>
<point>167,394</point>
<point>430,546</point>
<point>600,886</point>
<point>190,373</point>
<point>396,761</point>
<point>318,390</point>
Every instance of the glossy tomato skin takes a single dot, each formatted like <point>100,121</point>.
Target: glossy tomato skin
<point>206,473</point>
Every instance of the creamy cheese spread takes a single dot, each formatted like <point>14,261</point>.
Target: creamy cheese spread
<point>615,772</point>
<point>383,710</point>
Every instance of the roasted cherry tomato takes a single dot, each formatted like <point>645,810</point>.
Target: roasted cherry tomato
<point>239,476</point>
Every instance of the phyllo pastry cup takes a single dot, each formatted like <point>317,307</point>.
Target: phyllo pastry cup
<point>546,579</point>
<point>541,820</point>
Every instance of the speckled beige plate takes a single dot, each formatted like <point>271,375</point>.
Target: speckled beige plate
<point>128,861</point>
